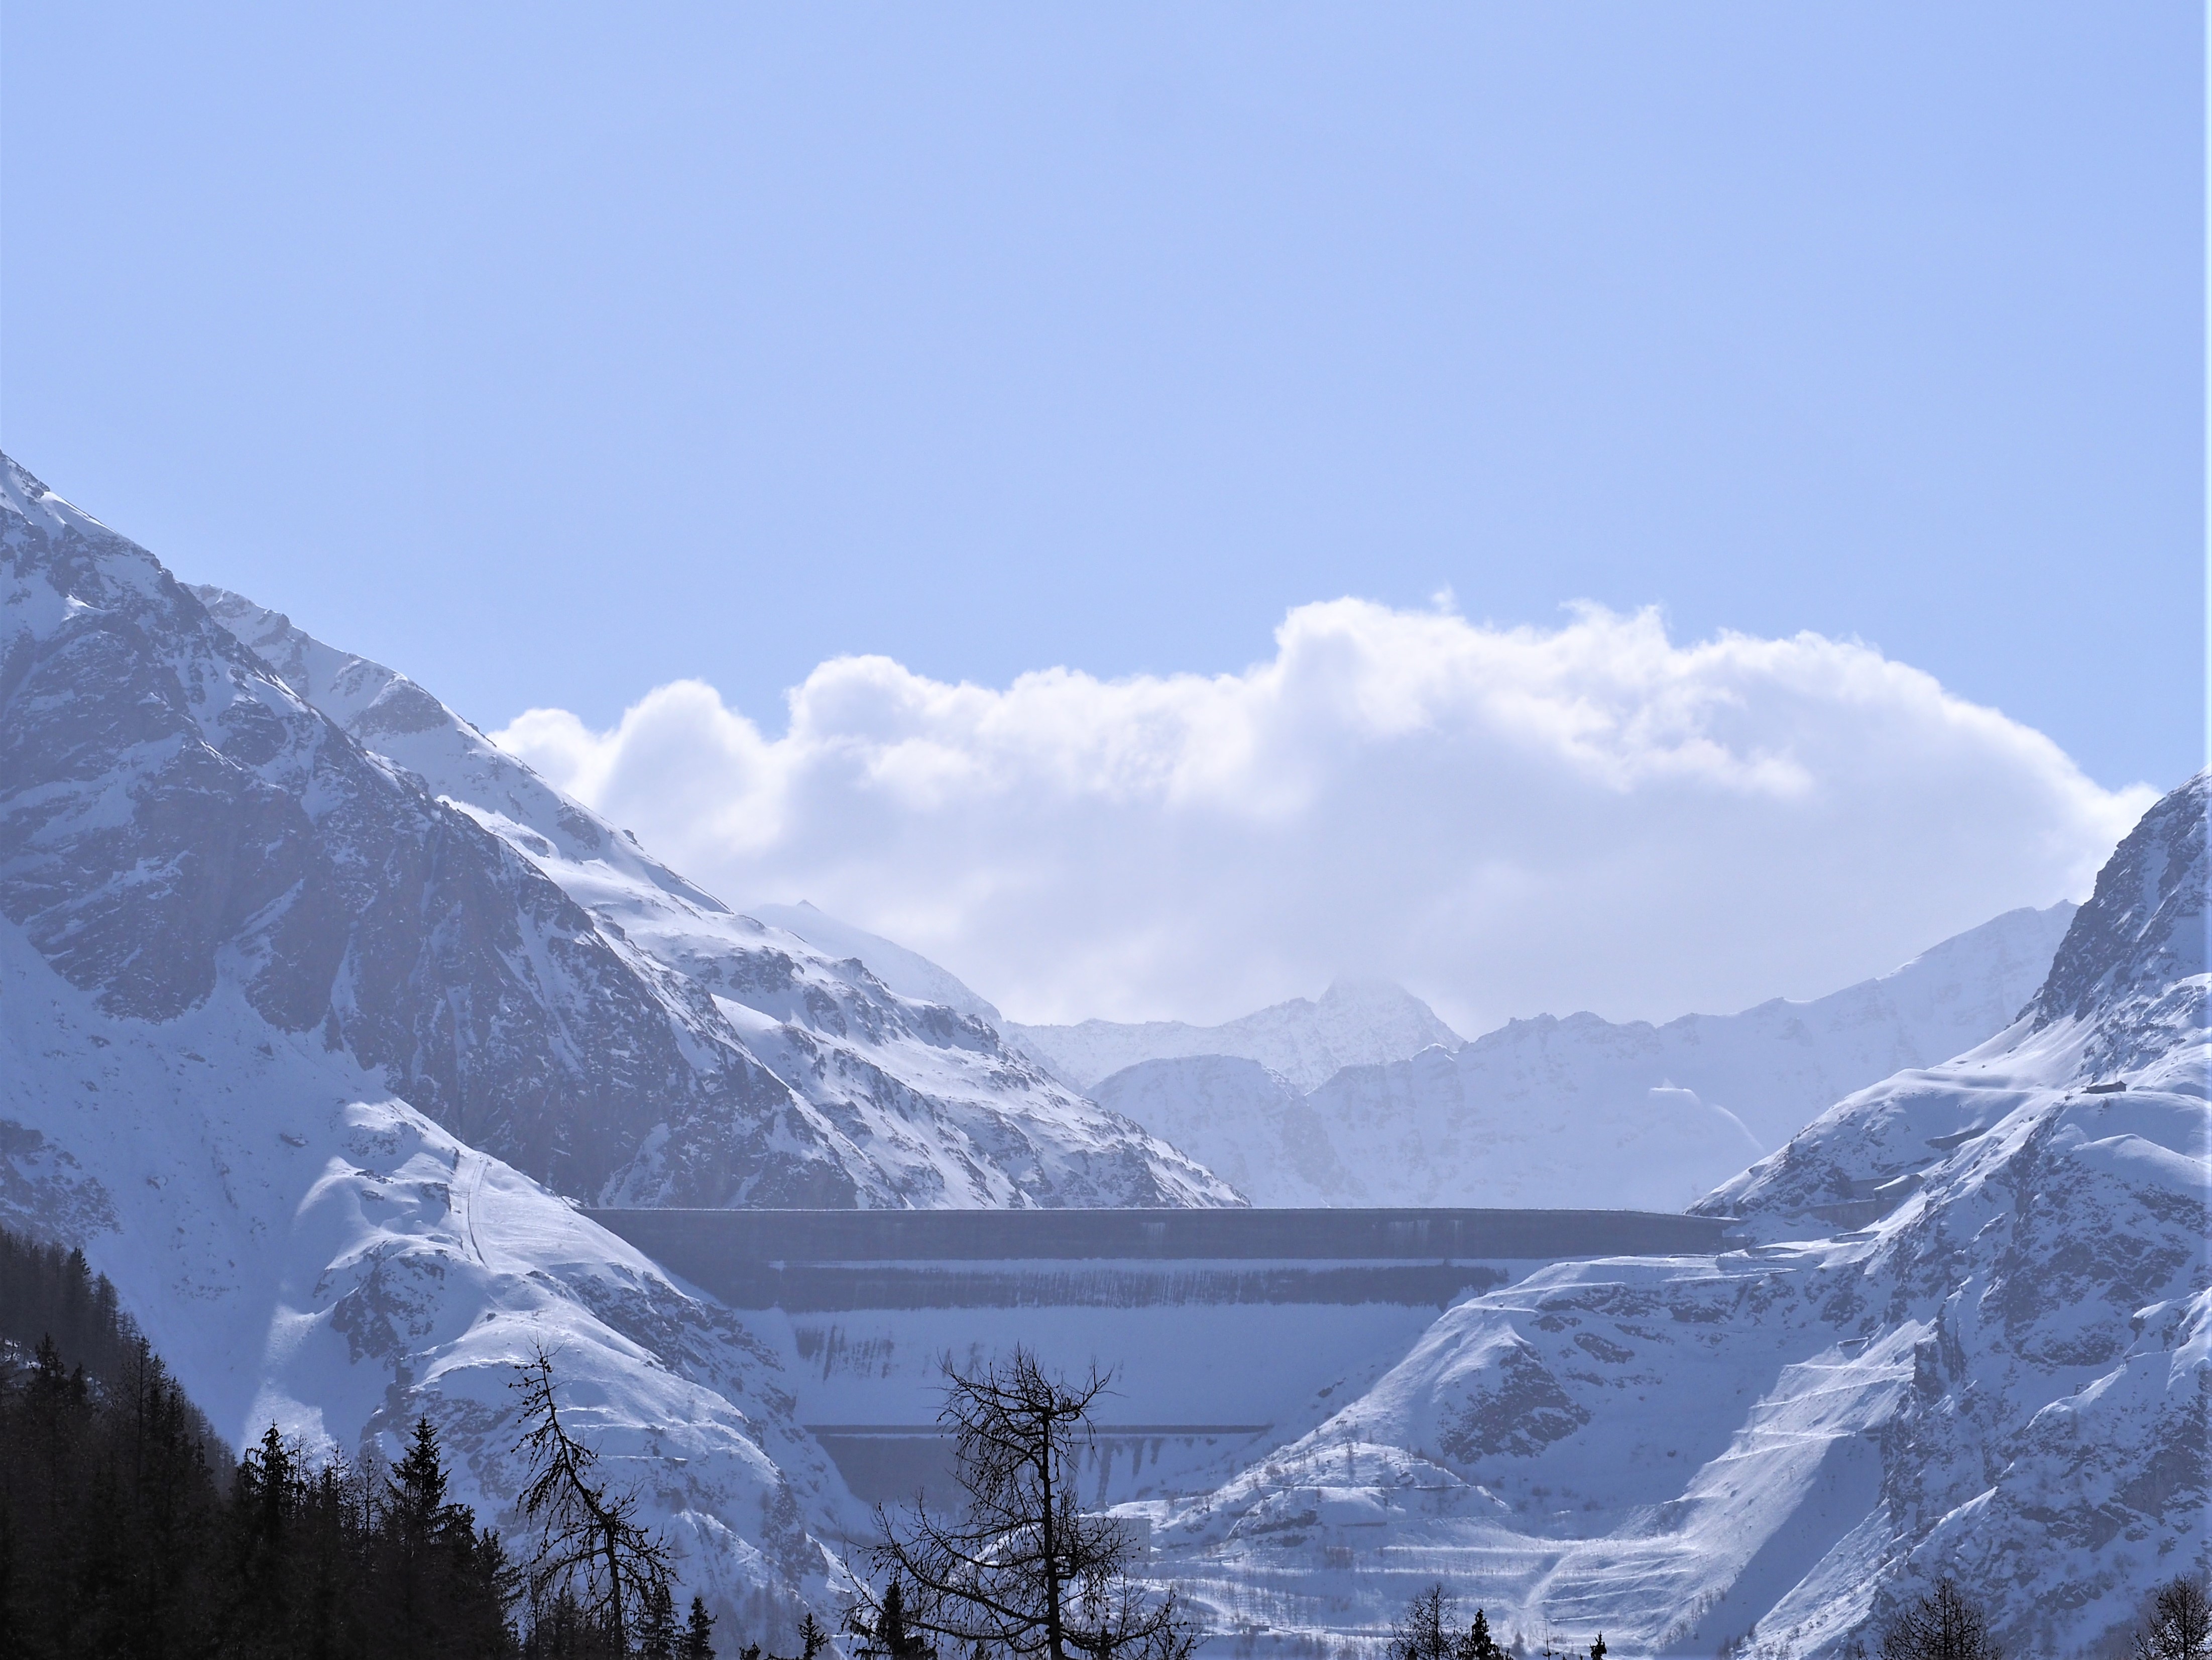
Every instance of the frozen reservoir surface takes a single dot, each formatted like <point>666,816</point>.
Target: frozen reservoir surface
<point>1227,1331</point>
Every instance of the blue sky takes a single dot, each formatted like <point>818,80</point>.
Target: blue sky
<point>553,354</point>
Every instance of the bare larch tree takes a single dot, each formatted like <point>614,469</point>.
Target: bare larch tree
<point>2181,1624</point>
<point>1944,1625</point>
<point>1022,1572</point>
<point>591,1545</point>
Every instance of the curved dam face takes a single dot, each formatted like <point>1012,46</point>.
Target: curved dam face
<point>1227,1331</point>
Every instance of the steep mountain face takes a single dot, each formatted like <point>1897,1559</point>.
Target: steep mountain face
<point>171,817</point>
<point>175,809</point>
<point>1355,1023</point>
<point>2138,948</point>
<point>910,1103</point>
<point>2000,1373</point>
<point>1580,1111</point>
<point>2123,1002</point>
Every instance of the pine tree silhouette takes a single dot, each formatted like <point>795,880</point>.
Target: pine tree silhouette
<point>698,1640</point>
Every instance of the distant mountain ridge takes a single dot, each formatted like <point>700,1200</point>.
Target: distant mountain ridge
<point>1304,1041</point>
<point>1546,1111</point>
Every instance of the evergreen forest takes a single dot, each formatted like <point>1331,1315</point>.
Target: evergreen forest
<point>127,1529</point>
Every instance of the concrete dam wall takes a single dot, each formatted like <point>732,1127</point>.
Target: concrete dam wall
<point>1228,1331</point>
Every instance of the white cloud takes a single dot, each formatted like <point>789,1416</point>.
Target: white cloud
<point>1507,821</point>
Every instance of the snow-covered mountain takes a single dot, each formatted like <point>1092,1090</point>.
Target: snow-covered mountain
<point>1581,1110</point>
<point>1260,1134</point>
<point>302,1051</point>
<point>1364,1098</point>
<point>1775,1065</point>
<point>1355,1023</point>
<point>304,1249</point>
<point>313,1004</point>
<point>796,1076</point>
<point>1413,1133</point>
<point>1999,1371</point>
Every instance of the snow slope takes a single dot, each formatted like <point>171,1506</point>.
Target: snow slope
<point>1413,1134</point>
<point>307,1249</point>
<point>1581,1110</point>
<point>2002,1375</point>
<point>852,1094</point>
<point>1355,1023</point>
<point>1247,1124</point>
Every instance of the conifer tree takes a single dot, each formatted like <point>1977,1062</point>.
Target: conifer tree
<point>414,1498</point>
<point>698,1640</point>
<point>1424,1633</point>
<point>657,1635</point>
<point>1421,1635</point>
<point>886,1637</point>
<point>116,1539</point>
<point>1477,1644</point>
<point>264,1498</point>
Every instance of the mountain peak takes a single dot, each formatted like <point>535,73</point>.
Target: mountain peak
<point>1367,991</point>
<point>2144,927</point>
<point>25,496</point>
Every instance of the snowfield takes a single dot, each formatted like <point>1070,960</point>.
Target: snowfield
<point>306,1250</point>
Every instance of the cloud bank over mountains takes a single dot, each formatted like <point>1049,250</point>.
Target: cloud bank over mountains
<point>1506,820</point>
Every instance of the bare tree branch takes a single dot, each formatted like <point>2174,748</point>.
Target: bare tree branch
<point>1023,1572</point>
<point>590,1544</point>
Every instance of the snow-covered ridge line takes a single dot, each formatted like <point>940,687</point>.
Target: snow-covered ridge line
<point>1354,1022</point>
<point>1546,1111</point>
<point>1580,1111</point>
